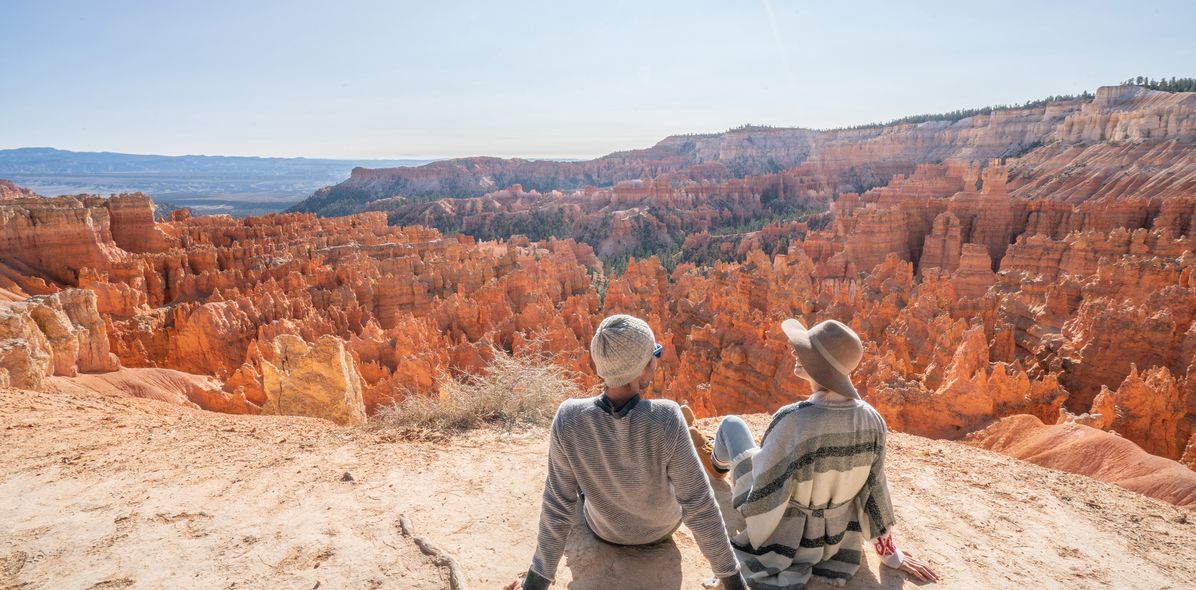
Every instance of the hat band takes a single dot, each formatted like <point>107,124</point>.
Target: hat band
<point>826,355</point>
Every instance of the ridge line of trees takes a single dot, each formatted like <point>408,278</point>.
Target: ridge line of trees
<point>1172,84</point>
<point>959,114</point>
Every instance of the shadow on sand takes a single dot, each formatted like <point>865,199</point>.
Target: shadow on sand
<point>596,565</point>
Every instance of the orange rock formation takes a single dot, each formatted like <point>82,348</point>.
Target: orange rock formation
<point>8,190</point>
<point>59,334</point>
<point>1083,449</point>
<point>242,299</point>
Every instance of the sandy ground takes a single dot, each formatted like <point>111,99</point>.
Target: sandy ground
<point>103,491</point>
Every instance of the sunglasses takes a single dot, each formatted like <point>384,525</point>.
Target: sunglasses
<point>658,350</point>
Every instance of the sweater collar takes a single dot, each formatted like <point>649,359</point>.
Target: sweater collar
<point>608,406</point>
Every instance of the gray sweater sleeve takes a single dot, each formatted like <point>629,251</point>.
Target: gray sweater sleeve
<point>559,507</point>
<point>700,511</point>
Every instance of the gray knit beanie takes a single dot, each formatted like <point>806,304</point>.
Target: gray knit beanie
<point>621,348</point>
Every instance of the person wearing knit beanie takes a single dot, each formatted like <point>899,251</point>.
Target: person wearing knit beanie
<point>627,464</point>
<point>621,348</point>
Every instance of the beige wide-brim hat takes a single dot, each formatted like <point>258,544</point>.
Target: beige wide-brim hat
<point>829,352</point>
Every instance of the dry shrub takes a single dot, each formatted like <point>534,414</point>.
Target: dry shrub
<point>512,390</point>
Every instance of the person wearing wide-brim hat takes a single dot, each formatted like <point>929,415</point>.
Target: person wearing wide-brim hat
<point>815,488</point>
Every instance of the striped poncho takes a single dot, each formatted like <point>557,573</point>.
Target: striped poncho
<point>811,493</point>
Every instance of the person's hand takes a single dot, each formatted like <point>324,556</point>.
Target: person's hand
<point>513,585</point>
<point>918,569</point>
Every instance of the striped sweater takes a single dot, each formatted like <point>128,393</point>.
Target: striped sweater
<point>640,476</point>
<point>811,493</point>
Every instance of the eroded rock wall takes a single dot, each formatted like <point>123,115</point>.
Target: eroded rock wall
<point>60,334</point>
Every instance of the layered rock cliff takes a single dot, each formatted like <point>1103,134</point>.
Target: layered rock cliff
<point>839,157</point>
<point>1125,141</point>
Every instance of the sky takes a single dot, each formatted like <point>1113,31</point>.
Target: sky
<point>551,79</point>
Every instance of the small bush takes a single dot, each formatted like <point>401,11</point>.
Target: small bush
<point>512,390</point>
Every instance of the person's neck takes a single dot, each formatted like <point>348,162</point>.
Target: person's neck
<point>619,396</point>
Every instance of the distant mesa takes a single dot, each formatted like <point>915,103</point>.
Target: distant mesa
<point>214,184</point>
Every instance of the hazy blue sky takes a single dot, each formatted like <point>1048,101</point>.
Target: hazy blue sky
<point>554,78</point>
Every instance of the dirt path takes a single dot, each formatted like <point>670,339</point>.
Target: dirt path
<point>101,491</point>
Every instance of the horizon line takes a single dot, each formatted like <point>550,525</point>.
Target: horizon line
<point>442,157</point>
<point>436,158</point>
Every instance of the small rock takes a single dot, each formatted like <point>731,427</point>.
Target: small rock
<point>347,477</point>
